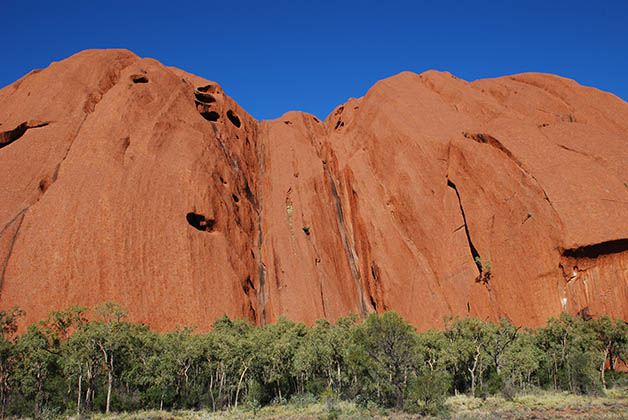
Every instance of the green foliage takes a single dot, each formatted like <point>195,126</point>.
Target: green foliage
<point>386,347</point>
<point>428,392</point>
<point>485,265</point>
<point>80,361</point>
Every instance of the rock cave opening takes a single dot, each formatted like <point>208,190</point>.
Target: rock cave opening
<point>139,78</point>
<point>207,88</point>
<point>199,222</point>
<point>596,250</point>
<point>233,118</point>
<point>210,115</point>
<point>205,98</point>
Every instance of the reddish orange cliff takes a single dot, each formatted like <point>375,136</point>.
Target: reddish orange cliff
<point>126,180</point>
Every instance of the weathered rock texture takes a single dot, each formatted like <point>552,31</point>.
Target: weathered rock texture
<point>125,180</point>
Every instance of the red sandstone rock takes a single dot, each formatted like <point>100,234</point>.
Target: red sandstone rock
<point>126,180</point>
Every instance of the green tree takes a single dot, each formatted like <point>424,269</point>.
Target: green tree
<point>390,344</point>
<point>276,346</point>
<point>468,338</point>
<point>110,334</point>
<point>521,359</point>
<point>8,327</point>
<point>431,350</point>
<point>36,363</point>
<point>232,359</point>
<point>613,341</point>
<point>570,353</point>
<point>497,338</point>
<point>321,356</point>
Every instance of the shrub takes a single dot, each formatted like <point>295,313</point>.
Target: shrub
<point>427,393</point>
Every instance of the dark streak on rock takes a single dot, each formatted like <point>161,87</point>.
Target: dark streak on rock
<point>19,216</point>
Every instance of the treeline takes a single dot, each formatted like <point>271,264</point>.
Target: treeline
<point>68,363</point>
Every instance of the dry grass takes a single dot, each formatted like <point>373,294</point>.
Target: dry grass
<point>538,405</point>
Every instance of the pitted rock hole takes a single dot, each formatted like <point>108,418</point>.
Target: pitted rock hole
<point>210,115</point>
<point>209,89</point>
<point>43,185</point>
<point>205,98</point>
<point>139,78</point>
<point>233,118</point>
<point>199,222</point>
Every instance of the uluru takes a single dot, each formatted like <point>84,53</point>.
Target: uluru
<point>126,180</point>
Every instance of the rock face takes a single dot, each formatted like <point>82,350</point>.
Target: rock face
<point>125,180</point>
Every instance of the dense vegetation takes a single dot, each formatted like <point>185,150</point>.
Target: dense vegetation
<point>68,363</point>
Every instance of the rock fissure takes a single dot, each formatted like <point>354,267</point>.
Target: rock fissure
<point>492,141</point>
<point>6,226</point>
<point>10,136</point>
<point>247,286</point>
<point>67,150</point>
<point>569,149</point>
<point>323,302</point>
<point>19,216</point>
<point>477,259</point>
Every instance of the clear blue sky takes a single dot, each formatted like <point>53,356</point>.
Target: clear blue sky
<point>274,56</point>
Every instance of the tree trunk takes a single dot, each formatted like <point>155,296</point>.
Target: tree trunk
<point>220,386</point>
<point>78,399</point>
<point>88,393</point>
<point>109,382</point>
<point>555,373</point>
<point>240,383</point>
<point>399,402</point>
<point>339,378</point>
<point>472,370</point>
<point>211,392</point>
<point>603,369</point>
<point>2,402</point>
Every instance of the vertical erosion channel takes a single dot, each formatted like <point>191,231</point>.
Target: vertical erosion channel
<point>261,296</point>
<point>343,234</point>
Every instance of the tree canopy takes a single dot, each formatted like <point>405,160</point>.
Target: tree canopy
<point>83,360</point>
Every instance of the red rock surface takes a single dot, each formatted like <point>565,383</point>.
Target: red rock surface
<point>126,180</point>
